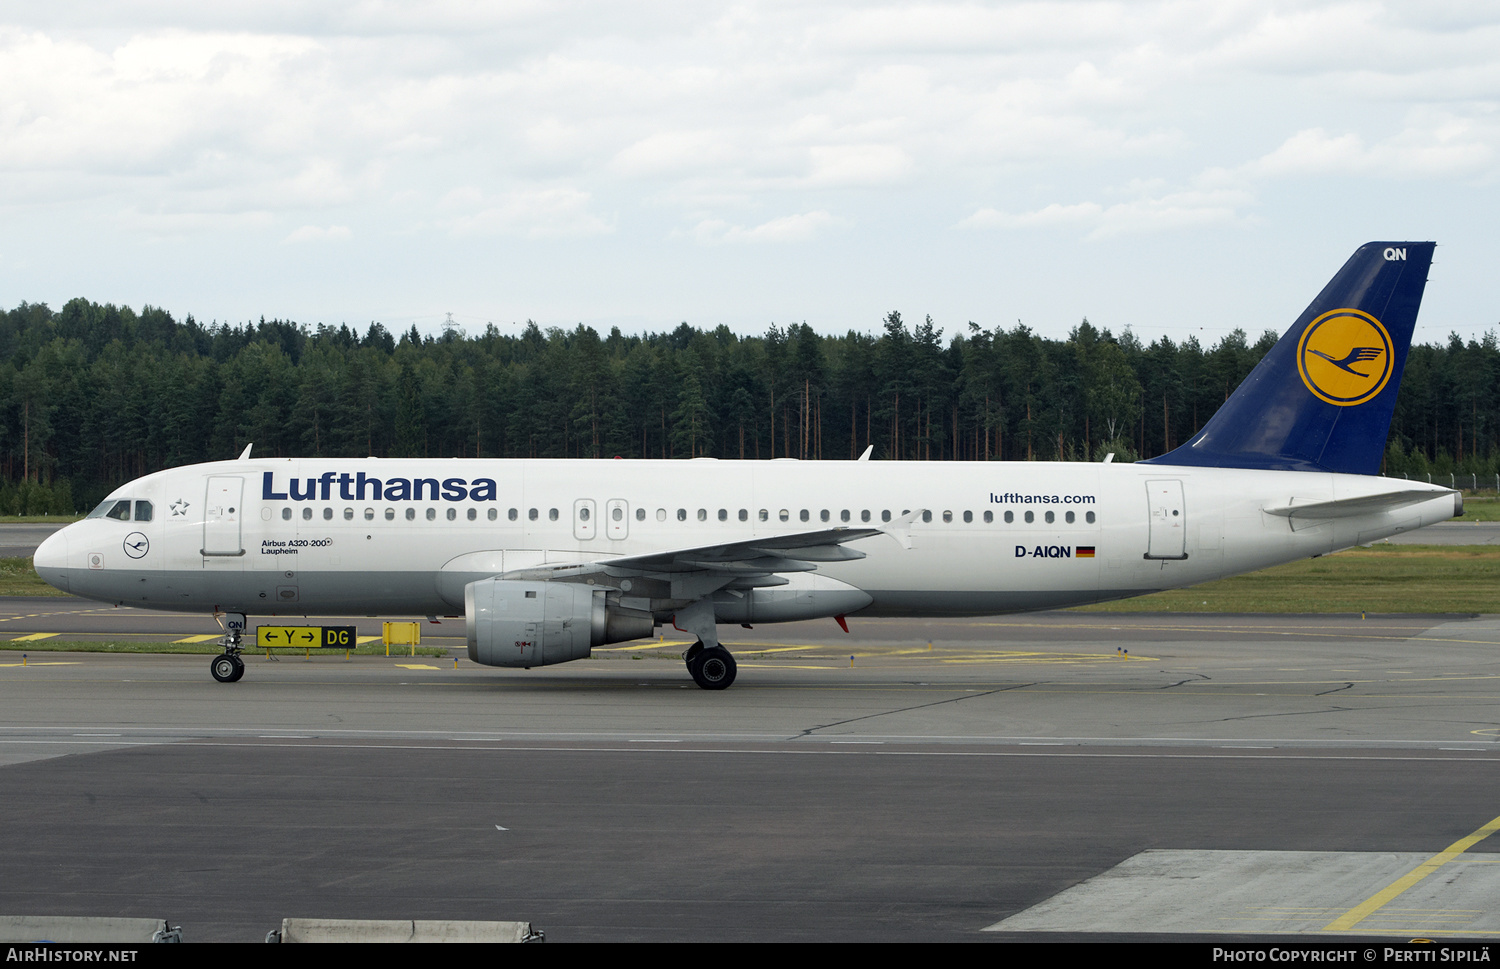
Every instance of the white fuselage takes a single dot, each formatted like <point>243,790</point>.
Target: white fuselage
<point>321,537</point>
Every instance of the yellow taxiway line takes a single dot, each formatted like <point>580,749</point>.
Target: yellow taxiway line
<point>1380,899</point>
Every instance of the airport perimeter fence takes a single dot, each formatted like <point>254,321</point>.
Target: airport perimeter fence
<point>1458,482</point>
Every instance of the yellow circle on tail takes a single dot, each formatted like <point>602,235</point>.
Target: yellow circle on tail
<point>1345,357</point>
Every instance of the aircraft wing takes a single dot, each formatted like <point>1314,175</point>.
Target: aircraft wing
<point>699,570</point>
<point>745,564</point>
<point>777,553</point>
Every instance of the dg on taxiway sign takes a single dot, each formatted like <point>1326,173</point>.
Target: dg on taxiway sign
<point>305,637</point>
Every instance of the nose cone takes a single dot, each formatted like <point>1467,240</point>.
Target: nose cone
<point>51,560</point>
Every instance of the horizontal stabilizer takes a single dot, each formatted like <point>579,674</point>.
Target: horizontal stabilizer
<point>1355,507</point>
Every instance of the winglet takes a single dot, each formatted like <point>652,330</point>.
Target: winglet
<point>900,529</point>
<point>869,449</point>
<point>245,454</point>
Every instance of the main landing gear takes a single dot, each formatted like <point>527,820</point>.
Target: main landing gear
<point>712,667</point>
<point>228,667</point>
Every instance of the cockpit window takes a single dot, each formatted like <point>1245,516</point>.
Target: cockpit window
<point>116,509</point>
<point>143,511</point>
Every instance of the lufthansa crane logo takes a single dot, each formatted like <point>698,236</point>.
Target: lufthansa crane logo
<point>1344,357</point>
<point>136,545</point>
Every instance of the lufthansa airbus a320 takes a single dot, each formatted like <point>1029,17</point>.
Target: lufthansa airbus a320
<point>547,559</point>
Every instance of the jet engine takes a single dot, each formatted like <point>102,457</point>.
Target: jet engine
<point>520,623</point>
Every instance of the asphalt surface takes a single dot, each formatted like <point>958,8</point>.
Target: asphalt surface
<point>909,781</point>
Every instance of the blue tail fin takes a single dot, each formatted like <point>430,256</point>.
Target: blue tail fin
<point>1322,399</point>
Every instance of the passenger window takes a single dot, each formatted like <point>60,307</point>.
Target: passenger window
<point>286,514</point>
<point>765,515</point>
<point>682,514</point>
<point>494,513</point>
<point>1089,517</point>
<point>1030,517</point>
<point>784,515</point>
<point>744,514</point>
<point>823,515</point>
<point>1051,518</point>
<point>989,517</point>
<point>552,514</point>
<point>348,514</point>
<point>328,514</point>
<point>885,514</point>
<point>844,515</point>
<point>1010,517</point>
<point>390,514</point>
<point>307,514</point>
<point>143,511</point>
<point>864,515</point>
<point>473,513</point>
<point>703,514</point>
<point>369,514</point>
<point>411,514</point>
<point>513,514</point>
<point>640,514</point>
<point>432,514</point>
<point>661,514</point>
<point>723,514</point>
<point>531,514</point>
<point>583,514</point>
<point>452,514</point>
<point>618,514</point>
<point>926,515</point>
<point>948,517</point>
<point>804,516</point>
<point>1068,518</point>
<point>968,517</point>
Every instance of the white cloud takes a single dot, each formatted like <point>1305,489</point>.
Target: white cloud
<point>787,229</point>
<point>1083,213</point>
<point>1447,146</point>
<point>315,233</point>
<point>535,214</point>
<point>486,123</point>
<point>674,153</point>
<point>1175,210</point>
<point>857,165</point>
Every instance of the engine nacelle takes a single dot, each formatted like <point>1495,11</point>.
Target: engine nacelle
<point>520,623</point>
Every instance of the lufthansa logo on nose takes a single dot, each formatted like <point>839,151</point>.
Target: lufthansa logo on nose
<point>1345,357</point>
<point>136,545</point>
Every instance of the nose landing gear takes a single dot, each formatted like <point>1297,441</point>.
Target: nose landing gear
<point>228,667</point>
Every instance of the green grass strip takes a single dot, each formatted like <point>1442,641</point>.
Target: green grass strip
<point>1381,578</point>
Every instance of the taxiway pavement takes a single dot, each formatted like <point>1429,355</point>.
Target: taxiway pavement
<point>908,781</point>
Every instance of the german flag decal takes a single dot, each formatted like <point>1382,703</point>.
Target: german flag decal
<point>1084,552</point>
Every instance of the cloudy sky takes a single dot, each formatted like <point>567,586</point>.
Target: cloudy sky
<point>1176,167</point>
